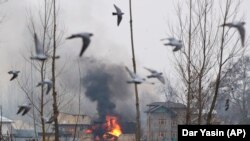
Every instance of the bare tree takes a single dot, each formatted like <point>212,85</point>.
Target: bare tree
<point>47,15</point>
<point>171,91</point>
<point>1,135</point>
<point>231,9</point>
<point>234,88</point>
<point>204,52</point>
<point>41,25</point>
<point>45,20</point>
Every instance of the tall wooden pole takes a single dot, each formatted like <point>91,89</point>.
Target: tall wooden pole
<point>138,122</point>
<point>1,135</point>
<point>55,107</point>
<point>188,112</point>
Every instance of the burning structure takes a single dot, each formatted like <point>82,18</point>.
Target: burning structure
<point>109,130</point>
<point>85,128</point>
<point>112,130</point>
<point>103,86</point>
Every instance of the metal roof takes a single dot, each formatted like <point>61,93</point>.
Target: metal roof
<point>5,120</point>
<point>72,119</point>
<point>169,105</point>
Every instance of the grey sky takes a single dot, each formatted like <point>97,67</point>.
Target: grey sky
<point>109,43</point>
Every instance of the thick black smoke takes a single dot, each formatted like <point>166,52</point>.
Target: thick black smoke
<point>97,89</point>
<point>106,85</point>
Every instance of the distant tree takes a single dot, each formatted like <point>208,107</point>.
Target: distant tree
<point>41,24</point>
<point>54,92</point>
<point>235,88</point>
<point>1,14</point>
<point>170,92</point>
<point>208,48</point>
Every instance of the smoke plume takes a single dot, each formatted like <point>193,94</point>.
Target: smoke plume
<point>106,85</point>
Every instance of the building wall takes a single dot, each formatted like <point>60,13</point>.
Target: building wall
<point>67,138</point>
<point>89,137</point>
<point>23,139</point>
<point>126,137</point>
<point>178,120</point>
<point>163,126</point>
<point>6,128</point>
<point>159,126</point>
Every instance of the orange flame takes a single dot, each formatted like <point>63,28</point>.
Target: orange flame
<point>113,126</point>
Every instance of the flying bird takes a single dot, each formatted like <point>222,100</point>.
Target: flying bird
<point>119,14</point>
<point>85,39</point>
<point>47,82</point>
<point>174,42</point>
<point>25,108</point>
<point>14,74</point>
<point>241,29</point>
<point>135,78</point>
<point>227,105</point>
<point>40,53</point>
<point>155,74</point>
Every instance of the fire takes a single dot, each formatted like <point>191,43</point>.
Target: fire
<point>113,126</point>
<point>112,129</point>
<point>115,132</point>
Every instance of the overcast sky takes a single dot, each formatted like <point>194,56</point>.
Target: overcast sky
<point>109,43</point>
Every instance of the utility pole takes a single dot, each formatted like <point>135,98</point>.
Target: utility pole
<point>54,94</point>
<point>1,135</point>
<point>138,121</point>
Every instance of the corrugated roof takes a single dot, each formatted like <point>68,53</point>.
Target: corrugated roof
<point>5,120</point>
<point>169,105</point>
<point>64,118</point>
<point>19,124</point>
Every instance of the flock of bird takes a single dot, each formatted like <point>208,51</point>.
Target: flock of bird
<point>178,45</point>
<point>40,55</point>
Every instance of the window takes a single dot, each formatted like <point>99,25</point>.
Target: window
<point>162,134</point>
<point>162,121</point>
<point>174,135</point>
<point>174,123</point>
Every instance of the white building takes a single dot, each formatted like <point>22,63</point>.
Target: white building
<point>6,126</point>
<point>163,119</point>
